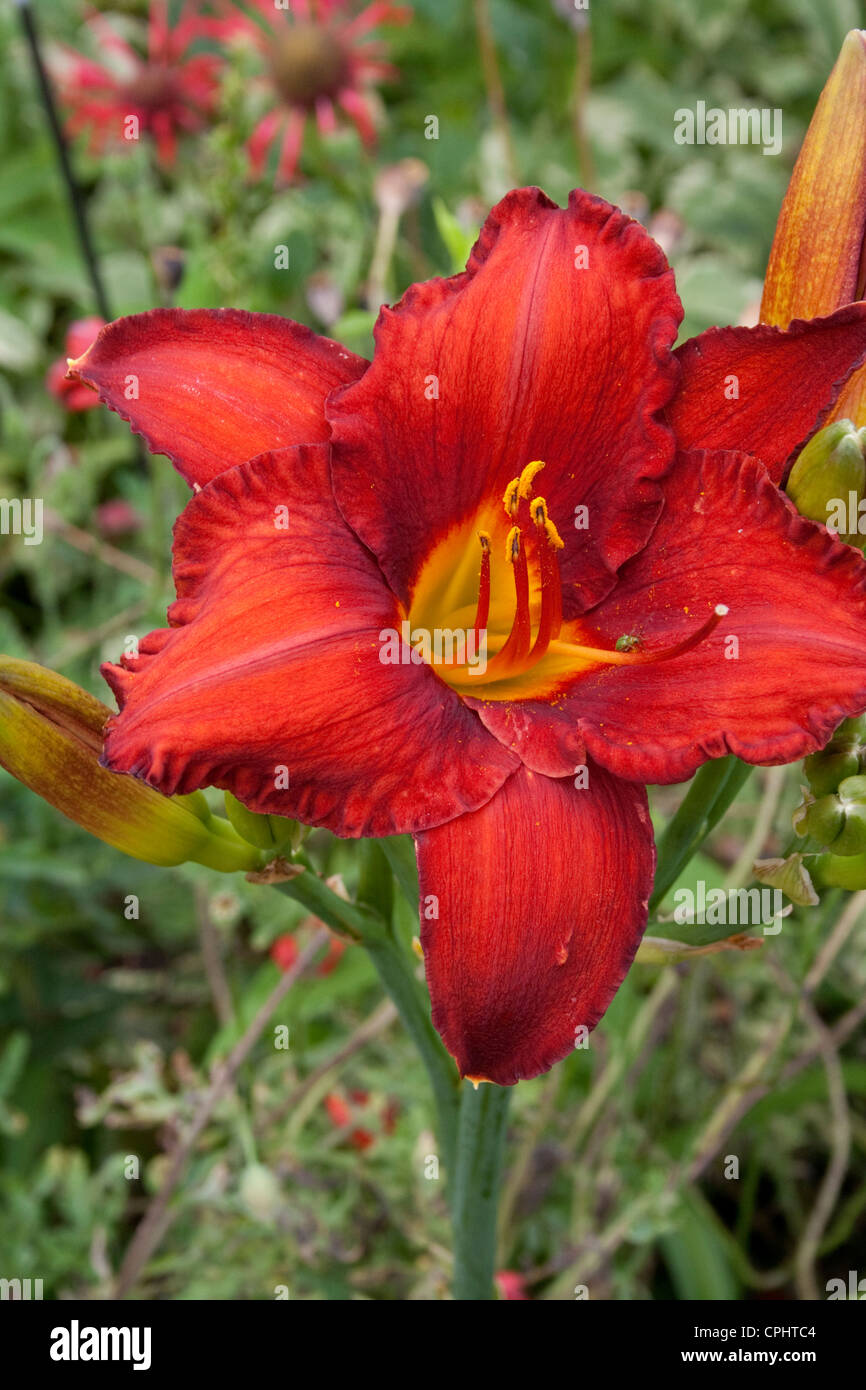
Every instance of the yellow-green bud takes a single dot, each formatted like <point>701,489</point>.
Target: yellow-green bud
<point>51,740</point>
<point>839,871</point>
<point>837,821</point>
<point>268,832</point>
<point>828,480</point>
<point>844,756</point>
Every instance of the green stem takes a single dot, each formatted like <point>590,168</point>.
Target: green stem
<point>475,1198</point>
<point>410,998</point>
<point>713,788</point>
<point>396,971</point>
<point>314,894</point>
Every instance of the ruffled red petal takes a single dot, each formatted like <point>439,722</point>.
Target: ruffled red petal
<point>554,344</point>
<point>213,387</point>
<point>532,909</point>
<point>763,390</point>
<point>271,671</point>
<point>785,665</point>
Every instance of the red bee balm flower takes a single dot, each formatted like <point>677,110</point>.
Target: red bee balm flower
<point>620,491</point>
<point>321,59</point>
<point>167,92</point>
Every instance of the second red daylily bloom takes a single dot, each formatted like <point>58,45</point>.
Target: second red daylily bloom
<point>525,456</point>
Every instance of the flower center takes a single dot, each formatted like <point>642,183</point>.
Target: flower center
<point>153,88</point>
<point>513,644</point>
<point>307,63</point>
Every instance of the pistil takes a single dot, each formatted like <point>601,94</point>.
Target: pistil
<point>482,611</point>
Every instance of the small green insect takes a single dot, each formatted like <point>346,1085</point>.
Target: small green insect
<point>627,643</point>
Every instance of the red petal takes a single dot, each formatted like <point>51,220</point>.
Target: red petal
<point>542,900</point>
<point>797,600</point>
<point>787,383</point>
<point>532,358</point>
<point>217,386</point>
<point>273,662</point>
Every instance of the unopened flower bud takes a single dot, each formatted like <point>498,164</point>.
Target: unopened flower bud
<point>837,821</point>
<point>828,480</point>
<point>267,832</point>
<point>844,756</point>
<point>51,740</point>
<point>839,871</point>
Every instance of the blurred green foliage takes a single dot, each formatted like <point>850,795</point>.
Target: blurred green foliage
<point>109,1025</point>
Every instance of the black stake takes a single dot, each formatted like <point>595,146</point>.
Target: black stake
<point>76,202</point>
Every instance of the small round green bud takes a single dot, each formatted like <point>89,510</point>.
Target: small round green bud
<point>828,480</point>
<point>824,771</point>
<point>822,819</point>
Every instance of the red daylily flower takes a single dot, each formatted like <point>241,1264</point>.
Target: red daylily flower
<point>167,91</point>
<point>321,59</point>
<point>626,495</point>
<point>74,396</point>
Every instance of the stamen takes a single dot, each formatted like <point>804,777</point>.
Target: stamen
<point>482,611</point>
<point>517,646</point>
<point>547,543</point>
<point>524,482</point>
<point>510,499</point>
<point>538,507</point>
<point>637,658</point>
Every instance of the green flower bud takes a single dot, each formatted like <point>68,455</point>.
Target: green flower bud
<point>51,740</point>
<point>824,771</point>
<point>828,480</point>
<point>851,730</point>
<point>819,818</point>
<point>839,871</point>
<point>268,832</point>
<point>844,756</point>
<point>837,821</point>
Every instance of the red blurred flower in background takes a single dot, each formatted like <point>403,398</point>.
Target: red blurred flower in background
<point>284,952</point>
<point>74,394</point>
<point>344,1110</point>
<point>572,486</point>
<point>510,1285</point>
<point>321,59</point>
<point>170,91</point>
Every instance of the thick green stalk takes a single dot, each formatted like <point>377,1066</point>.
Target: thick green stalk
<point>713,788</point>
<point>475,1196</point>
<point>396,970</point>
<point>314,894</point>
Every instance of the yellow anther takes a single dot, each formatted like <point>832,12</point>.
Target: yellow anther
<point>524,482</point>
<point>509,501</point>
<point>512,545</point>
<point>484,538</point>
<point>538,508</point>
